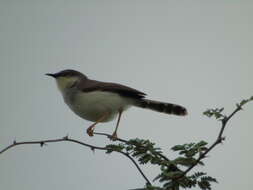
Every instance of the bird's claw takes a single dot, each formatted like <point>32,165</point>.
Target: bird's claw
<point>90,131</point>
<point>114,136</point>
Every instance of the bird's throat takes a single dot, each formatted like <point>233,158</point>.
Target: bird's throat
<point>65,83</point>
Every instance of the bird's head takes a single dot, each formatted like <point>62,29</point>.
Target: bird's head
<point>67,78</point>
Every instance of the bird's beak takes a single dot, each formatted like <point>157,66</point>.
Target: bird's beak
<point>51,75</point>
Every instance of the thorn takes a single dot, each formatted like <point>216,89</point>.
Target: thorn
<point>66,137</point>
<point>42,144</point>
<point>239,106</point>
<point>92,149</point>
<point>202,152</point>
<point>221,139</point>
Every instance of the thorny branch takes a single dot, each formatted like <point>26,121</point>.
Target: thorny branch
<point>67,139</point>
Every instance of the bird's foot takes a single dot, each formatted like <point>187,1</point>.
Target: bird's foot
<point>114,136</point>
<point>90,131</point>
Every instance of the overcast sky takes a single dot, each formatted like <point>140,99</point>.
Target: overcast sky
<point>194,53</point>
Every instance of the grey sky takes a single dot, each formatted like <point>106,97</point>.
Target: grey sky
<point>194,53</point>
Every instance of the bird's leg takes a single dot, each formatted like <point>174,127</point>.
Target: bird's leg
<point>90,130</point>
<point>114,135</point>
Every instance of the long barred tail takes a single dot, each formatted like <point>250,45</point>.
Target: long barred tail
<point>163,107</point>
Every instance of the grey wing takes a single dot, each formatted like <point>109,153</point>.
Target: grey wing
<point>113,87</point>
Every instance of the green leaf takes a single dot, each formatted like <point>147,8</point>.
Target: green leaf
<point>185,161</point>
<point>114,147</point>
<point>209,179</point>
<point>178,147</point>
<point>145,159</point>
<point>201,144</point>
<point>196,175</point>
<point>204,185</point>
<point>215,112</point>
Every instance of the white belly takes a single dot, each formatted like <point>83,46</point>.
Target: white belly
<point>93,105</point>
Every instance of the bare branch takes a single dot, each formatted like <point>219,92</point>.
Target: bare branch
<point>67,139</point>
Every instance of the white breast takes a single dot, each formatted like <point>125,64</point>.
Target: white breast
<point>93,105</point>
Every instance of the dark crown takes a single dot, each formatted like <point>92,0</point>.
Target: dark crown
<point>67,73</point>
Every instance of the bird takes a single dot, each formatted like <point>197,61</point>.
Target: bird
<point>98,101</point>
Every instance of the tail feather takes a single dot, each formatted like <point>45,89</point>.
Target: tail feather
<point>163,107</point>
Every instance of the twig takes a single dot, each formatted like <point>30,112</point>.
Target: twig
<point>67,139</point>
<point>43,142</point>
<point>110,137</point>
<point>137,166</point>
<point>219,140</point>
